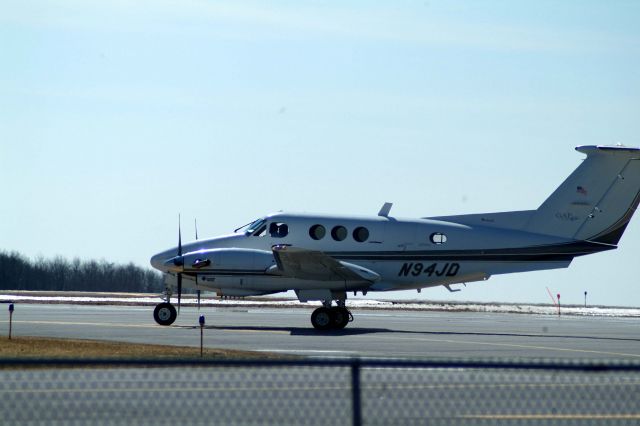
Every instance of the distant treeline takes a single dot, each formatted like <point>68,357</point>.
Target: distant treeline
<point>59,274</point>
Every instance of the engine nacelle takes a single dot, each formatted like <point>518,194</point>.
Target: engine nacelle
<point>228,259</point>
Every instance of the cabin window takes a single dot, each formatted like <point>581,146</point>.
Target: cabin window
<point>278,230</point>
<point>317,232</point>
<point>438,238</point>
<point>339,233</point>
<point>361,234</point>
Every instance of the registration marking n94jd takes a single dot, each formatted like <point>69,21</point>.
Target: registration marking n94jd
<point>415,269</point>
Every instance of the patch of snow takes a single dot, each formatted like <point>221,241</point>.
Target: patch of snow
<point>352,303</point>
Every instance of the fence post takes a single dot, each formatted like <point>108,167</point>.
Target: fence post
<point>355,392</point>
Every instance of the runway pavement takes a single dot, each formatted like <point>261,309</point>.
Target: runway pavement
<point>374,334</point>
<point>323,394</point>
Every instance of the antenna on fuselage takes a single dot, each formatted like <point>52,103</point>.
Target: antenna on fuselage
<point>385,210</point>
<point>195,224</point>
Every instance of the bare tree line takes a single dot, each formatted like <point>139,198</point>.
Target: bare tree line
<point>17,272</point>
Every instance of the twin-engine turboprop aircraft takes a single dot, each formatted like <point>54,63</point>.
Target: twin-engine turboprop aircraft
<point>324,257</point>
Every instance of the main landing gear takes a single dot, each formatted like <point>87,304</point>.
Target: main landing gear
<point>331,317</point>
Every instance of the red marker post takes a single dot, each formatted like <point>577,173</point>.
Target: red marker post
<point>558,304</point>
<point>11,309</point>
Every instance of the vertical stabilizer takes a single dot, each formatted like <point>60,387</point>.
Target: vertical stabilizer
<point>597,200</point>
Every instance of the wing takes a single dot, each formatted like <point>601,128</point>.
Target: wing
<point>306,264</point>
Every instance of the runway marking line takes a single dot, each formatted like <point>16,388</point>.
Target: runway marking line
<point>247,330</point>
<point>312,351</point>
<point>634,416</point>
<point>95,324</point>
<point>102,324</point>
<point>513,345</point>
<point>186,389</point>
<point>315,388</point>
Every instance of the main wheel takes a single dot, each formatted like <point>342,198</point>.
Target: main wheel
<point>339,317</point>
<point>165,314</point>
<point>321,319</point>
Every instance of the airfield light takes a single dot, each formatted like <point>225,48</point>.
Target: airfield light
<point>201,321</point>
<point>558,304</point>
<point>585,299</point>
<point>11,309</point>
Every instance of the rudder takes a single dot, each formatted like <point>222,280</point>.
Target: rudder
<point>597,201</point>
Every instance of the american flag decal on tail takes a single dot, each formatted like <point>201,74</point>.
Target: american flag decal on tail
<point>581,190</point>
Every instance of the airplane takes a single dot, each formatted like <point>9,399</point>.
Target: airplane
<point>325,257</point>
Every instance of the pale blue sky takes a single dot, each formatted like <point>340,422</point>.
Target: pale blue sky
<point>115,116</point>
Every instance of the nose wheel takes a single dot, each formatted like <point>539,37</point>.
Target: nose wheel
<point>165,314</point>
<point>333,318</point>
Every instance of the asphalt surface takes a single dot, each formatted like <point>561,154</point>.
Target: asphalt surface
<point>315,395</point>
<point>324,394</point>
<point>375,334</point>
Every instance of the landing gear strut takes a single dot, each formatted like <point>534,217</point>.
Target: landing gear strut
<point>331,317</point>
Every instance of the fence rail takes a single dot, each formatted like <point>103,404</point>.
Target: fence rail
<point>313,391</point>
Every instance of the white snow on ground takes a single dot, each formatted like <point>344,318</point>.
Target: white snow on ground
<point>351,303</point>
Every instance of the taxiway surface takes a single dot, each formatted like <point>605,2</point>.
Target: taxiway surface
<point>375,334</point>
<point>316,395</point>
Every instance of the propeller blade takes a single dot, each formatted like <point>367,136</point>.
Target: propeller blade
<point>179,254</point>
<point>179,289</point>
<point>195,221</point>
<point>198,291</point>
<point>179,238</point>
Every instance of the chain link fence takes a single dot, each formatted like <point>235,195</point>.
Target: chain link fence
<point>336,392</point>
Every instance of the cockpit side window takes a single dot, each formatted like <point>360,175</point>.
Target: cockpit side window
<point>278,230</point>
<point>257,228</point>
<point>260,232</point>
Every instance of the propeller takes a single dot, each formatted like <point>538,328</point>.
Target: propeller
<point>179,255</point>
<point>179,261</point>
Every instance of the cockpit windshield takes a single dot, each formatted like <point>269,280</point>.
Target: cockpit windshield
<point>257,228</point>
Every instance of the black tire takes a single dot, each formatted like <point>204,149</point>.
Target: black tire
<point>165,314</point>
<point>321,319</point>
<point>339,317</point>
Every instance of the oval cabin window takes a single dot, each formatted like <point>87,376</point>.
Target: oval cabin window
<point>438,238</point>
<point>361,234</point>
<point>339,233</point>
<point>317,232</point>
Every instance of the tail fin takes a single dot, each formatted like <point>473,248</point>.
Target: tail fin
<point>596,201</point>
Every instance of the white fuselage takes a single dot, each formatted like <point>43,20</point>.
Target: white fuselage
<point>405,253</point>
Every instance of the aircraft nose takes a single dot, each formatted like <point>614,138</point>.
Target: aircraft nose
<point>157,261</point>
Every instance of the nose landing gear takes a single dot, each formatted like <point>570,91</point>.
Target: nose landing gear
<point>165,313</point>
